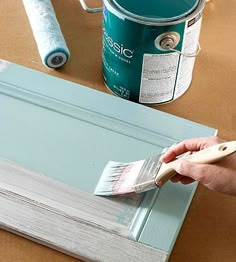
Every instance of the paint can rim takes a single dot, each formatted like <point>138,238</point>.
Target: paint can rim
<point>124,14</point>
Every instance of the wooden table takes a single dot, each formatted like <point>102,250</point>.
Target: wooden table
<point>209,231</point>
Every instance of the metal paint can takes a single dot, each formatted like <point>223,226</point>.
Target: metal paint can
<point>149,48</point>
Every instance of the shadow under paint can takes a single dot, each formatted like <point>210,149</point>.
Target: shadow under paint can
<point>149,49</point>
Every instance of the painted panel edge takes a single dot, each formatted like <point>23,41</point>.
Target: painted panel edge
<point>167,224</point>
<point>72,95</point>
<point>80,240</point>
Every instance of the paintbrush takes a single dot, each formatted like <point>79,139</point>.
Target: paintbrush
<point>136,177</point>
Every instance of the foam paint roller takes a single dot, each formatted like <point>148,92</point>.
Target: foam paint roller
<point>47,32</point>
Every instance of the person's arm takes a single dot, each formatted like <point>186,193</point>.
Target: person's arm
<point>220,176</point>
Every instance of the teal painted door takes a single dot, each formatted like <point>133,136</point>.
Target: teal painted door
<point>68,132</point>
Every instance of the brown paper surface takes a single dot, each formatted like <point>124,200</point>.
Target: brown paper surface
<point>209,230</point>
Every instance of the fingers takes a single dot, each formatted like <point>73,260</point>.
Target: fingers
<point>183,179</point>
<point>188,169</point>
<point>207,174</point>
<point>186,180</point>
<point>218,177</point>
<point>176,178</point>
<point>194,144</point>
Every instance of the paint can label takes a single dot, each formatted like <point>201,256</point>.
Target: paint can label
<point>166,77</point>
<point>135,68</point>
<point>158,77</point>
<point>190,45</point>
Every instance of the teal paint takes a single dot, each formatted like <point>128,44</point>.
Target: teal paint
<point>154,10</point>
<point>51,125</point>
<point>140,61</point>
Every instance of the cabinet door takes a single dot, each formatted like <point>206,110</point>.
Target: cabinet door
<point>56,137</point>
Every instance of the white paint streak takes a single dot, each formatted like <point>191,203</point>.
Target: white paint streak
<point>67,219</point>
<point>4,65</point>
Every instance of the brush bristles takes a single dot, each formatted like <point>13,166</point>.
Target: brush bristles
<point>125,178</point>
<point>118,178</point>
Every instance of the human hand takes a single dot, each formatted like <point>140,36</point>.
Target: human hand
<point>220,176</point>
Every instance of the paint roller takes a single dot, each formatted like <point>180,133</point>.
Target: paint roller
<point>47,33</point>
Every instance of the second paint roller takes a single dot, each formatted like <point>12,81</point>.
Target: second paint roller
<point>47,33</point>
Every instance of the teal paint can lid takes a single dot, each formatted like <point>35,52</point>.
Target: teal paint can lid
<point>151,11</point>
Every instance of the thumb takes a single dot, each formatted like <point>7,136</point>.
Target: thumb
<point>198,172</point>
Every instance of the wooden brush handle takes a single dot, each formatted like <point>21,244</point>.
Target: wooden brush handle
<point>208,155</point>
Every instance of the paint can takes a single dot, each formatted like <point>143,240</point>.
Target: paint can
<point>149,49</point>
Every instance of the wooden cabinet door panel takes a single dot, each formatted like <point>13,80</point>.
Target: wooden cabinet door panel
<point>57,137</point>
